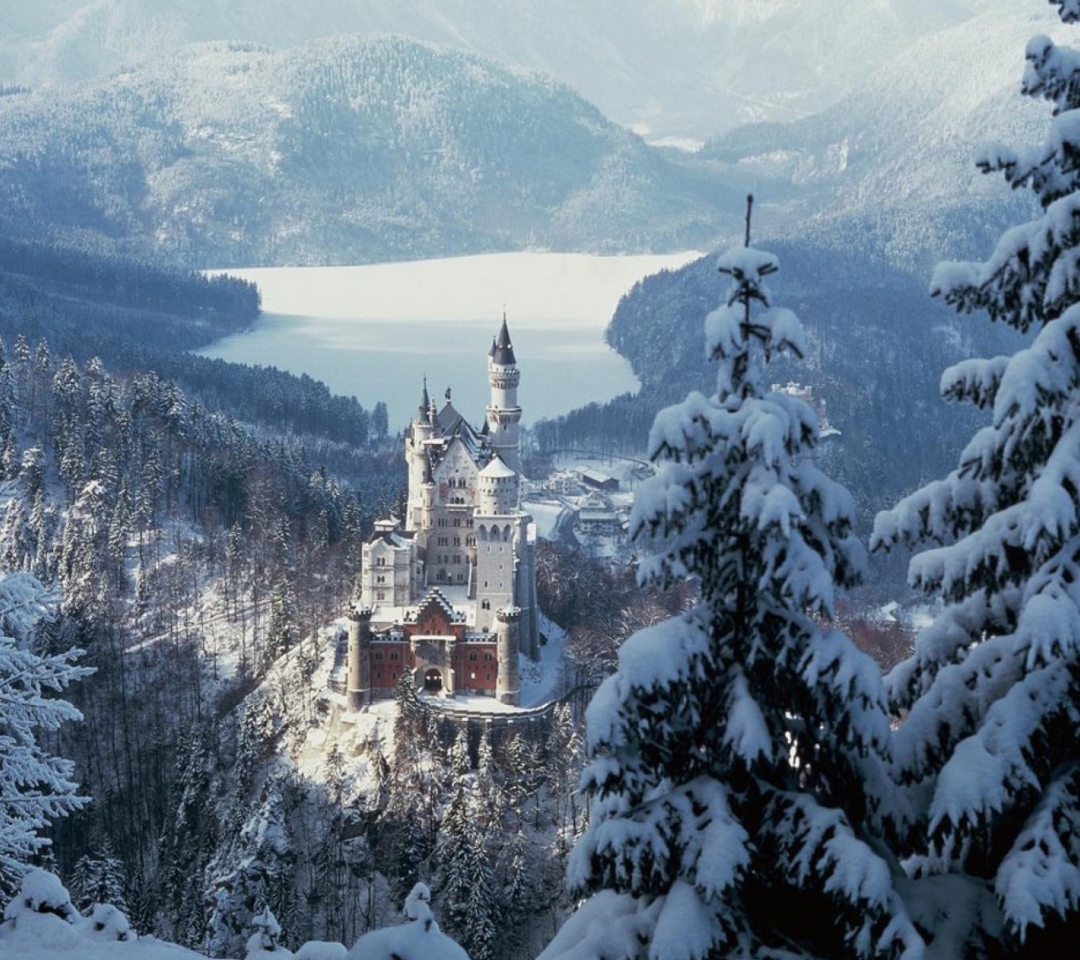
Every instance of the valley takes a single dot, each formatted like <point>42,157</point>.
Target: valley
<point>376,331</point>
<point>815,688</point>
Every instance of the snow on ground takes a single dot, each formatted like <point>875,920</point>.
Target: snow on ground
<point>541,679</point>
<point>545,514</point>
<point>41,924</point>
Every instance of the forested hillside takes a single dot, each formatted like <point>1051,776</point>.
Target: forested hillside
<point>877,344</point>
<point>344,151</point>
<point>616,54</point>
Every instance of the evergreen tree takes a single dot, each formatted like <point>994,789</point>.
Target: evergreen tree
<point>8,405</point>
<point>990,746</point>
<point>35,788</point>
<point>98,877</point>
<point>738,753</point>
<point>282,632</point>
<point>469,897</point>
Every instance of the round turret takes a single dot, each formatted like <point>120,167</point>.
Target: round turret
<point>497,489</point>
<point>503,413</point>
<point>508,681</point>
<point>358,689</point>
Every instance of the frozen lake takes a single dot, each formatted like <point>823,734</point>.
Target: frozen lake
<point>373,332</point>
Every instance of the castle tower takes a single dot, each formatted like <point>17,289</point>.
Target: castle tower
<point>503,413</point>
<point>421,430</point>
<point>508,682</point>
<point>358,690</point>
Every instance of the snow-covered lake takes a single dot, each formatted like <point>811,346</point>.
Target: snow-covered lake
<point>374,331</point>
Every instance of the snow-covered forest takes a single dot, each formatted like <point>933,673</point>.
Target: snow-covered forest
<point>724,770</point>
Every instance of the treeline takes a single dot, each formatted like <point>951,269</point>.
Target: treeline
<point>191,554</point>
<point>138,318</point>
<point>876,346</point>
<point>222,304</point>
<point>618,427</point>
<point>486,817</point>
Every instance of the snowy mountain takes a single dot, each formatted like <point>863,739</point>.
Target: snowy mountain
<point>346,150</point>
<point>679,68</point>
<point>891,167</point>
<point>360,148</point>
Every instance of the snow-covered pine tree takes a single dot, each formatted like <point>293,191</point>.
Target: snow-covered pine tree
<point>990,743</point>
<point>738,753</point>
<point>98,877</point>
<point>469,898</point>
<point>35,788</point>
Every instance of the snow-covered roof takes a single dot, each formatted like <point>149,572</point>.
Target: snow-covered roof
<point>454,600</point>
<point>497,468</point>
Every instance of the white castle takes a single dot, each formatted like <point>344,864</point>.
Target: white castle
<point>451,598</point>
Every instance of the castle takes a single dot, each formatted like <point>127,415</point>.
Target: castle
<point>451,598</point>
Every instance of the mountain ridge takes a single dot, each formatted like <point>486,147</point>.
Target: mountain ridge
<point>347,150</point>
<point>664,67</point>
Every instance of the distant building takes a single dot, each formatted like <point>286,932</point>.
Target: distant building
<point>599,481</point>
<point>450,597</point>
<point>598,522</point>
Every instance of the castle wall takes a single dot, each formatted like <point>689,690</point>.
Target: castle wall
<point>388,660</point>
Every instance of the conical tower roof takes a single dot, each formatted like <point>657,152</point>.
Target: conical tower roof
<point>502,351</point>
<point>425,401</point>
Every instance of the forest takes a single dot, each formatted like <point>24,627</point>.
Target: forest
<point>727,772</point>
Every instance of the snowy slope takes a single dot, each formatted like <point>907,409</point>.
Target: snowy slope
<point>349,150</point>
<point>892,165</point>
<point>672,67</point>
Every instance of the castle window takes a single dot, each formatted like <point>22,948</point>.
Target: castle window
<point>380,594</point>
<point>472,656</point>
<point>461,578</point>
<point>489,657</point>
<point>380,561</point>
<point>380,579</point>
<point>457,541</point>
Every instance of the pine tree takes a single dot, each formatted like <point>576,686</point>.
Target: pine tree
<point>35,788</point>
<point>469,897</point>
<point>990,742</point>
<point>8,409</point>
<point>98,877</point>
<point>738,753</point>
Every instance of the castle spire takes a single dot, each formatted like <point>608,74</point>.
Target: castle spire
<point>425,401</point>
<point>503,413</point>
<point>502,350</point>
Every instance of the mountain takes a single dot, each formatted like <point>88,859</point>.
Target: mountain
<point>891,167</point>
<point>668,68</point>
<point>346,150</point>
